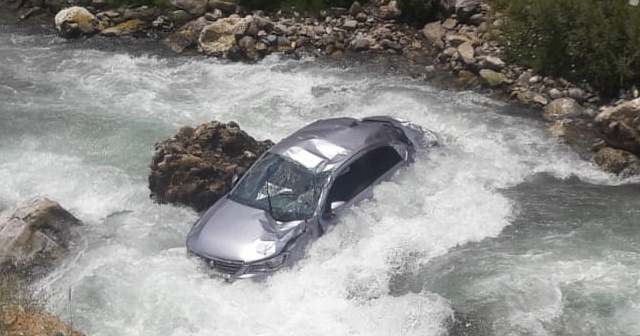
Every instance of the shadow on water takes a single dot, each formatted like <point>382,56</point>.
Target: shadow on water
<point>533,270</point>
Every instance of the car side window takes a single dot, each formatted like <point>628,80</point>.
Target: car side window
<point>361,173</point>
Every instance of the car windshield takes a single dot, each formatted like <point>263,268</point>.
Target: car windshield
<point>286,189</point>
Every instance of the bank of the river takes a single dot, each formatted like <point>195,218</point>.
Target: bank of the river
<point>464,45</point>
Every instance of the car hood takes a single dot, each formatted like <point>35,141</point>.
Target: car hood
<point>234,231</point>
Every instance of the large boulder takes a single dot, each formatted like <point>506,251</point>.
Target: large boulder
<point>75,21</point>
<point>621,126</point>
<point>617,161</point>
<point>33,234</point>
<point>561,108</point>
<point>219,38</point>
<point>197,166</point>
<point>187,35</point>
<point>193,7</point>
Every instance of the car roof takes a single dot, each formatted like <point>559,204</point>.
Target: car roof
<point>327,143</point>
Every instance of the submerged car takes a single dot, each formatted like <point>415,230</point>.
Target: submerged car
<point>297,190</point>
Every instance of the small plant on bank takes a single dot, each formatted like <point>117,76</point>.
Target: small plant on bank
<point>302,6</point>
<point>589,40</point>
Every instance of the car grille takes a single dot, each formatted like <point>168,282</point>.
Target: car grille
<point>225,266</point>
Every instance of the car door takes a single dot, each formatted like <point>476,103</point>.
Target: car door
<point>354,181</point>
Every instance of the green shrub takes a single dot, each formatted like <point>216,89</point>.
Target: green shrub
<point>302,6</point>
<point>592,40</point>
<point>417,12</point>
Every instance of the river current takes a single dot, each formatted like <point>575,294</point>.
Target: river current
<point>502,225</point>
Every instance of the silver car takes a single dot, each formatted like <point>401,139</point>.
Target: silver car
<point>297,190</point>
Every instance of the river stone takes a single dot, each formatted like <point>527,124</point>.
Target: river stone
<point>466,8</point>
<point>75,21</point>
<point>355,9</point>
<point>465,50</point>
<point>617,161</point>
<point>621,125</point>
<point>493,78</point>
<point>197,165</point>
<point>219,37</point>
<point>247,45</point>
<point>360,43</point>
<point>390,11</point>
<point>193,7</point>
<point>434,34</point>
<point>144,13</point>
<point>33,234</point>
<point>227,7</point>
<point>128,28</point>
<point>561,108</point>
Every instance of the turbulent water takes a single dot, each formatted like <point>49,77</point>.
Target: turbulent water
<point>502,226</point>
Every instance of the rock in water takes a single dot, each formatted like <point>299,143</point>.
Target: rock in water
<point>75,21</point>
<point>621,126</point>
<point>34,233</point>
<point>196,167</point>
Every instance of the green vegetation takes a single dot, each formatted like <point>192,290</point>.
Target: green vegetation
<point>302,6</point>
<point>156,3</point>
<point>592,40</point>
<point>417,12</point>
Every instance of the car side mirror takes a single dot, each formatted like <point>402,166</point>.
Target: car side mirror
<point>234,179</point>
<point>336,205</point>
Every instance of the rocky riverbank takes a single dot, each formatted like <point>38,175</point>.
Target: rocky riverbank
<point>464,44</point>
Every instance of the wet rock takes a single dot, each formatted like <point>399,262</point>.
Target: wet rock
<point>33,234</point>
<point>182,39</point>
<point>75,21</point>
<point>621,125</point>
<point>493,78</point>
<point>617,161</point>
<point>196,167</point>
<point>247,45</point>
<point>128,28</point>
<point>561,108</point>
<point>219,38</point>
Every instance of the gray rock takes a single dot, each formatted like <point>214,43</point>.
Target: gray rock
<point>555,93</point>
<point>617,161</point>
<point>561,108</point>
<point>218,38</point>
<point>193,7</point>
<point>360,43</point>
<point>390,11</point>
<point>466,8</point>
<point>355,9</point>
<point>577,93</point>
<point>247,45</point>
<point>141,13</point>
<point>227,7</point>
<point>621,125</point>
<point>494,63</point>
<point>350,24</point>
<point>465,50</point>
<point>434,34</point>
<point>75,22</point>
<point>493,78</point>
<point>34,233</point>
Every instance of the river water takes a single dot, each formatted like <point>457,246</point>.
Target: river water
<point>503,225</point>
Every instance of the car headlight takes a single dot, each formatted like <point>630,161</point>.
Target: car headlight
<point>268,265</point>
